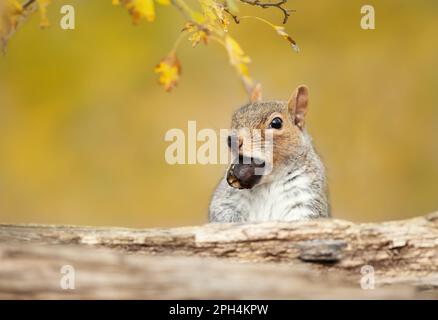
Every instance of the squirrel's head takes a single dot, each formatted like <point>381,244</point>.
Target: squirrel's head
<point>265,136</point>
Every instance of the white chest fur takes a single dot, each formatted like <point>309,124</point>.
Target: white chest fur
<point>285,200</point>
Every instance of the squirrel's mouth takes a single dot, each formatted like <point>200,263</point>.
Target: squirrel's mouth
<point>246,173</point>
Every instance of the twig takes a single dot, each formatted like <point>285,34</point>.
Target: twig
<point>235,18</point>
<point>27,3</point>
<point>264,5</point>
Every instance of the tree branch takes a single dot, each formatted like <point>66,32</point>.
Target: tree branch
<point>279,5</point>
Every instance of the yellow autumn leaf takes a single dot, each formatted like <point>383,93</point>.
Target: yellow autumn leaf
<point>215,12</point>
<point>238,59</point>
<point>169,70</point>
<point>116,2</point>
<point>282,32</point>
<point>42,5</point>
<point>164,2</point>
<point>10,12</point>
<point>141,9</point>
<point>198,33</point>
<point>14,6</point>
<point>235,52</point>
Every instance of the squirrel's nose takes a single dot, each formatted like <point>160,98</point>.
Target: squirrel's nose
<point>253,162</point>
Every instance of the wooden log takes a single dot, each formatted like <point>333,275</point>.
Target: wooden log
<point>34,272</point>
<point>398,252</point>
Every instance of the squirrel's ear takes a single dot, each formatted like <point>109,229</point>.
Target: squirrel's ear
<point>256,94</point>
<point>297,105</point>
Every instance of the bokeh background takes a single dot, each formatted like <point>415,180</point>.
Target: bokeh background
<point>82,118</point>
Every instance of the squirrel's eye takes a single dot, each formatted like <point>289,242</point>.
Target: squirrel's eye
<point>276,123</point>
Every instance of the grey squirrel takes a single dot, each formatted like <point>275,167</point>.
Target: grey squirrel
<point>295,188</point>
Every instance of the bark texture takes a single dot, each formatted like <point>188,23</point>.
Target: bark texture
<point>308,259</point>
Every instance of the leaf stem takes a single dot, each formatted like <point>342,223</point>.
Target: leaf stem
<point>260,19</point>
<point>184,8</point>
<point>177,43</point>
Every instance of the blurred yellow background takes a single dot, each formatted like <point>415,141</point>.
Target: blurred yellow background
<point>82,118</point>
